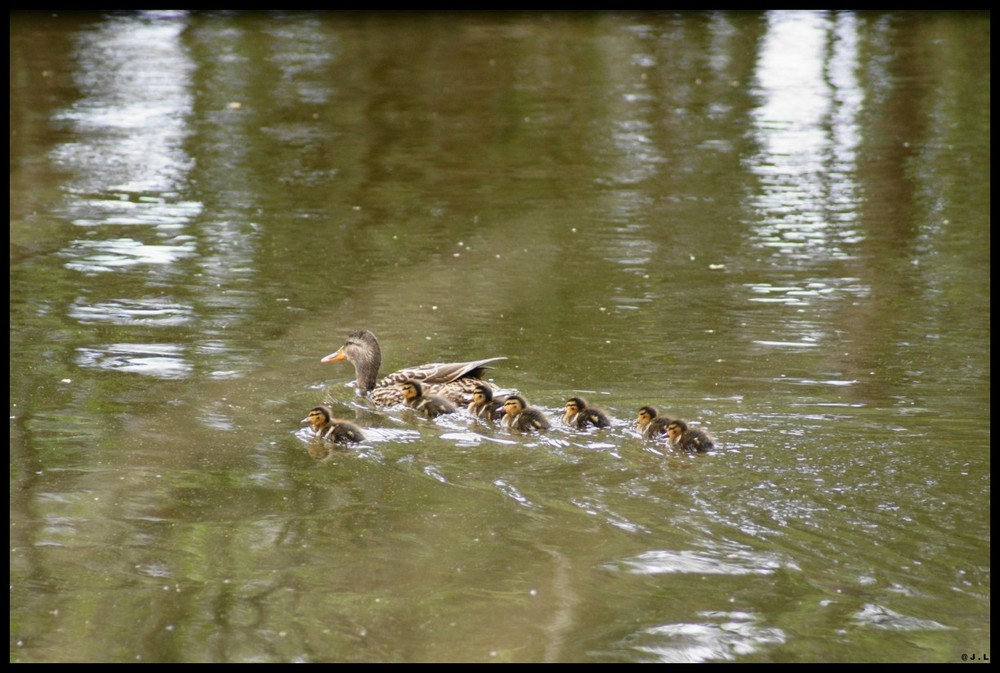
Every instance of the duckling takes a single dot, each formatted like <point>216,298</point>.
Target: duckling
<point>519,416</point>
<point>579,414</point>
<point>324,425</point>
<point>428,405</point>
<point>650,424</point>
<point>451,380</point>
<point>680,436</point>
<point>483,405</point>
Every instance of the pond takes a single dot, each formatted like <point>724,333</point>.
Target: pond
<point>774,225</point>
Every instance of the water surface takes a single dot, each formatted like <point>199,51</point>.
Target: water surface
<point>774,225</point>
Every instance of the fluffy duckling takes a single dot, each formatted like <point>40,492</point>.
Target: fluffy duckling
<point>483,405</point>
<point>680,436</point>
<point>428,405</point>
<point>650,424</point>
<point>451,380</point>
<point>519,416</point>
<point>324,425</point>
<point>579,414</point>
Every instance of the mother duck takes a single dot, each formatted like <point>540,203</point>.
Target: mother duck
<point>454,381</point>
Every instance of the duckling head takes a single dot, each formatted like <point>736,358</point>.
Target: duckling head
<point>482,394</point>
<point>675,430</point>
<point>646,414</point>
<point>411,390</point>
<point>317,417</point>
<point>514,404</point>
<point>575,405</point>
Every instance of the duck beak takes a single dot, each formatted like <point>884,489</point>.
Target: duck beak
<point>334,357</point>
<point>305,420</point>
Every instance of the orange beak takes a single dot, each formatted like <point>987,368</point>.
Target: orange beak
<point>334,357</point>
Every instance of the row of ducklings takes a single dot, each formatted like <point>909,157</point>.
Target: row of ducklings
<point>514,413</point>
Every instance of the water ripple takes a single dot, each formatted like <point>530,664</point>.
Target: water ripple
<point>93,257</point>
<point>618,521</point>
<point>662,561</point>
<point>733,635</point>
<point>880,617</point>
<point>147,311</point>
<point>511,491</point>
<point>164,361</point>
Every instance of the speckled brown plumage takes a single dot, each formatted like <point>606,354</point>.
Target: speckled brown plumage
<point>454,381</point>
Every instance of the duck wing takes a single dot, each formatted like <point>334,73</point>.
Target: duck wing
<point>439,372</point>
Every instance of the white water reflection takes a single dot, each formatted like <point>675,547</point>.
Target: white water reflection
<point>722,636</point>
<point>881,617</point>
<point>737,562</point>
<point>126,209</point>
<point>786,344</point>
<point>807,128</point>
<point>513,493</point>
<point>98,256</point>
<point>131,120</point>
<point>130,167</point>
<point>164,361</point>
<point>444,522</point>
<point>596,508</point>
<point>144,311</point>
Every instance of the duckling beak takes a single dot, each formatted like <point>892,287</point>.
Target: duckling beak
<point>305,420</point>
<point>334,357</point>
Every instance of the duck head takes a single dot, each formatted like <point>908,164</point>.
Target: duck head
<point>362,350</point>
